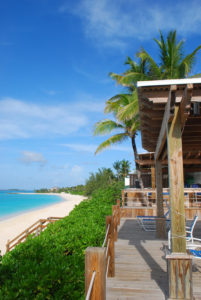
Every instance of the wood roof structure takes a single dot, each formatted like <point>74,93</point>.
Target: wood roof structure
<point>153,98</point>
<point>191,161</point>
<point>170,116</point>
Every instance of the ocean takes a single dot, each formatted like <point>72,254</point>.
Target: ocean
<point>12,203</point>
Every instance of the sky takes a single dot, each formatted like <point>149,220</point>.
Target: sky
<point>55,57</point>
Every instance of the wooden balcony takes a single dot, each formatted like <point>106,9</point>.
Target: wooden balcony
<point>141,266</point>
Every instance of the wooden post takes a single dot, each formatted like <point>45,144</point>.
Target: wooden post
<point>180,276</point>
<point>95,261</point>
<point>41,225</point>
<point>114,214</point>
<point>160,223</point>
<point>176,183</point>
<point>119,210</point>
<point>123,198</point>
<point>153,183</point>
<point>153,177</point>
<point>111,268</point>
<point>179,263</point>
<point>8,246</point>
<point>27,233</point>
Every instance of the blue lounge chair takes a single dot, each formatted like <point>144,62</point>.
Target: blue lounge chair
<point>148,223</point>
<point>189,234</point>
<point>189,230</point>
<point>195,253</point>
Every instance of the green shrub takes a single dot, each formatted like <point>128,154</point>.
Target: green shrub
<point>51,266</point>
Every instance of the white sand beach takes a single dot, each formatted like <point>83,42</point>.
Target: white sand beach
<point>11,227</point>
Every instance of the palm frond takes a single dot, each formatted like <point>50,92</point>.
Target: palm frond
<point>188,61</point>
<point>106,126</point>
<point>116,102</point>
<point>116,77</point>
<point>117,138</point>
<point>131,78</point>
<point>130,110</point>
<point>154,69</point>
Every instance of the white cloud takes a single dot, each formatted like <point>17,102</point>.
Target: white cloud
<point>111,22</point>
<point>92,148</point>
<point>28,157</point>
<point>19,119</point>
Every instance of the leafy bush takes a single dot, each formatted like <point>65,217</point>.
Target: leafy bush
<point>51,266</point>
<point>104,177</point>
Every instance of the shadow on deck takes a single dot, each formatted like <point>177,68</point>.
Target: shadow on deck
<point>140,266</point>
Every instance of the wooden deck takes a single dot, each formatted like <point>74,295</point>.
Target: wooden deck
<point>140,266</point>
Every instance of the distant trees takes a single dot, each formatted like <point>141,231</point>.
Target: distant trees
<point>106,177</point>
<point>122,168</point>
<point>100,179</point>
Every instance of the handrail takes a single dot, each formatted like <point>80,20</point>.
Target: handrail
<point>91,285</point>
<point>108,263</point>
<point>100,260</point>
<point>108,228</point>
<point>38,226</point>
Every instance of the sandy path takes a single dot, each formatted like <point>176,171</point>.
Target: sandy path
<point>11,227</point>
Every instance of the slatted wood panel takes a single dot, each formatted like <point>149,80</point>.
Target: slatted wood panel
<point>140,266</point>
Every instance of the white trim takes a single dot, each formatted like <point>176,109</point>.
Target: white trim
<point>168,82</point>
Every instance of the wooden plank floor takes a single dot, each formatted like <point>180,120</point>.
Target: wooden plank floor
<point>141,271</point>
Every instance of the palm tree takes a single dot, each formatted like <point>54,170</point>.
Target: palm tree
<point>125,167</point>
<point>128,128</point>
<point>172,64</point>
<point>117,167</point>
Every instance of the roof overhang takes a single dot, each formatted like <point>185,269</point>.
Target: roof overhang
<point>157,100</point>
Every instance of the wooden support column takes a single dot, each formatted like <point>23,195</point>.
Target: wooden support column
<point>180,276</point>
<point>179,263</point>
<point>160,223</point>
<point>123,198</point>
<point>176,183</point>
<point>153,183</point>
<point>153,177</point>
<point>95,261</point>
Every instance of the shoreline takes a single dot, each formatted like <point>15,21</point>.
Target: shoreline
<point>14,225</point>
<point>15,214</point>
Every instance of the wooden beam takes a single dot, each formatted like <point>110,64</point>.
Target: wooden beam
<point>192,161</point>
<point>168,115</point>
<point>160,223</point>
<point>164,155</point>
<point>176,183</point>
<point>149,162</point>
<point>185,104</point>
<point>191,147</point>
<point>198,154</point>
<point>153,177</point>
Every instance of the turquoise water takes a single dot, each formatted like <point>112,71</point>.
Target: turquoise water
<point>12,203</point>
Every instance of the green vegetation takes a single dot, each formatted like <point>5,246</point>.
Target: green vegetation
<point>51,266</point>
<point>104,177</point>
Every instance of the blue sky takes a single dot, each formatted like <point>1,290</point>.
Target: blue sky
<point>55,57</point>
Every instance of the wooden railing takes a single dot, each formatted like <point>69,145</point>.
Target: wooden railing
<point>100,261</point>
<point>36,228</point>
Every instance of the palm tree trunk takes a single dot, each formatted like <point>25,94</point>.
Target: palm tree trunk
<point>137,165</point>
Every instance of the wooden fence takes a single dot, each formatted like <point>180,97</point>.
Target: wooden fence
<point>99,261</point>
<point>35,228</point>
